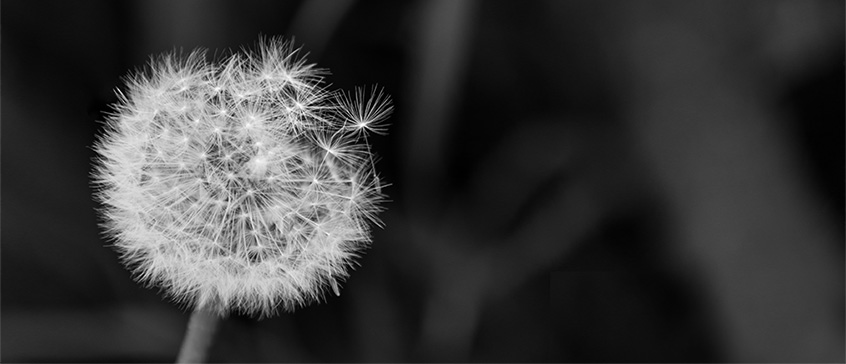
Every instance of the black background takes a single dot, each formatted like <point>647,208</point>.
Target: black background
<point>584,181</point>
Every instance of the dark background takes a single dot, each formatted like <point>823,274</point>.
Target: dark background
<point>571,180</point>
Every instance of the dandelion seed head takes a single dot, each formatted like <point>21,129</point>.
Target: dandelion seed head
<point>239,185</point>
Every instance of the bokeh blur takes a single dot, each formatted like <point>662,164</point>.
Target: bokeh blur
<point>588,181</point>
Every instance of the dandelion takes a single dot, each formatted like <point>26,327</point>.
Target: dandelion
<point>243,185</point>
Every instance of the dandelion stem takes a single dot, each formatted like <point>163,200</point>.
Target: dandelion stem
<point>198,337</point>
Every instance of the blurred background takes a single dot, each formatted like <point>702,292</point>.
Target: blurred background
<point>588,181</point>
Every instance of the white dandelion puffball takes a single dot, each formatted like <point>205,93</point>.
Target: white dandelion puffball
<point>241,185</point>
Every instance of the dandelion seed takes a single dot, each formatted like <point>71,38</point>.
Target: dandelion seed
<point>335,287</point>
<point>367,113</point>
